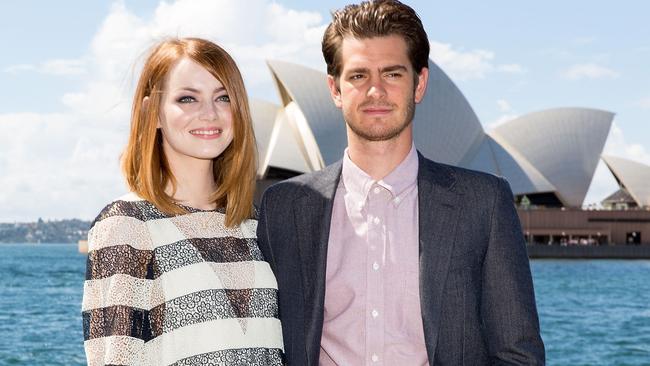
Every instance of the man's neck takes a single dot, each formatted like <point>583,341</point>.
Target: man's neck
<point>379,158</point>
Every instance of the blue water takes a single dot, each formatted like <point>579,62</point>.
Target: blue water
<point>40,304</point>
<point>594,312</point>
<point>591,312</point>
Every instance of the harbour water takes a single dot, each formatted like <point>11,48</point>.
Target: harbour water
<point>592,312</point>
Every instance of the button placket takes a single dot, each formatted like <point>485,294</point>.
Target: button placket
<point>375,281</point>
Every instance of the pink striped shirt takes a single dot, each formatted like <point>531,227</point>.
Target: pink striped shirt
<point>372,305</point>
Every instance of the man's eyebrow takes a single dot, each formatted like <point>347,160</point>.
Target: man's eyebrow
<point>358,70</point>
<point>393,68</point>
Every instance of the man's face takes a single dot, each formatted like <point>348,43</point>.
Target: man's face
<point>376,88</point>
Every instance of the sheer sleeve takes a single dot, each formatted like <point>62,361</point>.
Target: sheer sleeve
<point>118,290</point>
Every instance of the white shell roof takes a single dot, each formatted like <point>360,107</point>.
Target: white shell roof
<point>563,144</point>
<point>308,89</point>
<point>445,129</point>
<point>520,173</point>
<point>633,176</point>
<point>264,115</point>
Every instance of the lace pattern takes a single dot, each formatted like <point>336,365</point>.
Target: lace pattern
<point>116,350</point>
<point>122,259</point>
<point>121,289</point>
<point>217,304</point>
<point>237,357</point>
<point>127,302</point>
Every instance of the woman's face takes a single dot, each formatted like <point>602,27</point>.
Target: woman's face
<point>195,117</point>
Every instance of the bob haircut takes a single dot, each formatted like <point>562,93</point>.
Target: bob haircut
<point>143,162</point>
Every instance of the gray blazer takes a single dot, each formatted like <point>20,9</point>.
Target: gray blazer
<point>476,291</point>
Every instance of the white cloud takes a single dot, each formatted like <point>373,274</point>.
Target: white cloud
<point>503,105</point>
<point>66,165</point>
<point>507,114</point>
<point>507,117</point>
<point>644,103</point>
<point>618,145</point>
<point>468,65</point>
<point>589,71</point>
<point>51,67</point>
<point>511,68</point>
<point>14,69</point>
<point>63,67</point>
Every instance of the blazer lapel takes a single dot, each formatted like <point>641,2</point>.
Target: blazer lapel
<point>438,218</point>
<point>313,212</point>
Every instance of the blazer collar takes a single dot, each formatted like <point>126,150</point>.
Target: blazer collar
<point>312,215</point>
<point>439,212</point>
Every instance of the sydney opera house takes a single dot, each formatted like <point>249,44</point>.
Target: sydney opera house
<point>549,157</point>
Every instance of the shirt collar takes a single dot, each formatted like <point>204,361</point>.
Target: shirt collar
<point>358,183</point>
<point>404,176</point>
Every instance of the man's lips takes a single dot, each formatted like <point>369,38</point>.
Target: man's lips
<point>376,110</point>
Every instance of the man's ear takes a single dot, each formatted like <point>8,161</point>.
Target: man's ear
<point>421,88</point>
<point>335,91</point>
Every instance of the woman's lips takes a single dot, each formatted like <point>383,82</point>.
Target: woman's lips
<point>206,133</point>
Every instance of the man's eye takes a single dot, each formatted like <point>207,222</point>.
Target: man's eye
<point>356,77</point>
<point>393,75</point>
<point>186,99</point>
<point>223,98</point>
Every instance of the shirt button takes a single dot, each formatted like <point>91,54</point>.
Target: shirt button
<point>374,357</point>
<point>377,190</point>
<point>397,200</point>
<point>376,220</point>
<point>374,313</point>
<point>375,266</point>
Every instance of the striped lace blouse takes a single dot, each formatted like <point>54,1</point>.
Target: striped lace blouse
<point>177,290</point>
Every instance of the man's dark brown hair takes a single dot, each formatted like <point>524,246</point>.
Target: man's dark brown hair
<point>378,18</point>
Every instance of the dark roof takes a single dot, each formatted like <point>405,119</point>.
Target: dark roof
<point>622,195</point>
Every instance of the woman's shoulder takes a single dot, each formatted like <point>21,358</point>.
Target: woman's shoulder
<point>123,221</point>
<point>129,205</point>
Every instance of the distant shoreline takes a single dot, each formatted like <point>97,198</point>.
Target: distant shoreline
<point>42,231</point>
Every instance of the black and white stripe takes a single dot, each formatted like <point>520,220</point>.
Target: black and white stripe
<point>182,290</point>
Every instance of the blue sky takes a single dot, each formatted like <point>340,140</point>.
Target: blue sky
<point>68,69</point>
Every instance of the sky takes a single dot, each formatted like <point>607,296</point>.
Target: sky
<point>68,69</point>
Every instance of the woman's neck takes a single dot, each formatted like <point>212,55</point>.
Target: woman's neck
<point>194,182</point>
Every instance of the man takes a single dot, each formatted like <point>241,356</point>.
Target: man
<point>386,257</point>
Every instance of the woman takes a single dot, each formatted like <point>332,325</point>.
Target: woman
<point>174,275</point>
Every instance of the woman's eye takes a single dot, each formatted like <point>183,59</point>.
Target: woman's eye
<point>186,99</point>
<point>223,98</point>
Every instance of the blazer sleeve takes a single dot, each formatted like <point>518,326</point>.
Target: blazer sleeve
<point>117,298</point>
<point>263,229</point>
<point>508,300</point>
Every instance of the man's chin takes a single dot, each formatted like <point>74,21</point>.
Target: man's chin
<point>377,134</point>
